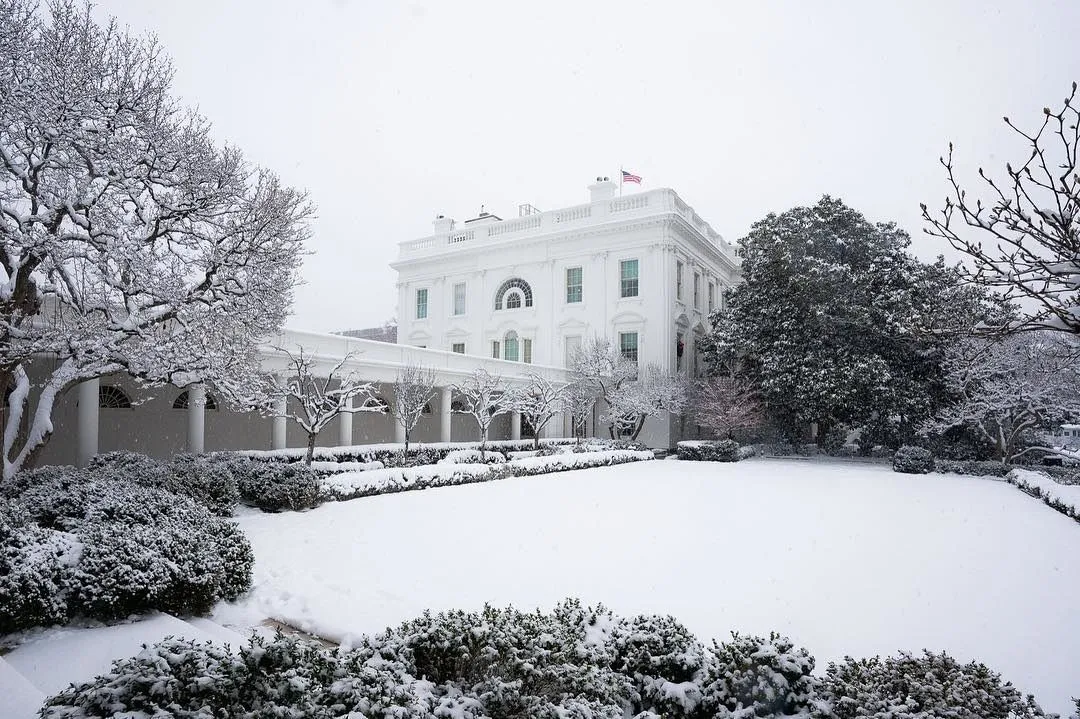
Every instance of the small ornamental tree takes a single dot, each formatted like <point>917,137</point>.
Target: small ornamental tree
<point>131,243</point>
<point>413,391</point>
<point>313,401</point>
<point>538,402</point>
<point>1025,239</point>
<point>483,397</point>
<point>725,404</point>
<point>580,399</point>
<point>1011,389</point>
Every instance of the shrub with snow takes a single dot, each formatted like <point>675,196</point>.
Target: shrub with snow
<point>931,685</point>
<point>274,487</point>
<point>208,480</point>
<point>664,660</point>
<point>33,564</point>
<point>913,460</point>
<point>724,450</point>
<point>973,467</point>
<point>473,456</point>
<point>759,677</point>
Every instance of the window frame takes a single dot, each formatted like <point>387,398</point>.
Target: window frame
<point>623,279</point>
<point>417,305</point>
<point>697,290</point>
<point>712,295</point>
<point>454,347</point>
<point>455,309</point>
<point>624,349</point>
<point>580,286</point>
<point>678,280</point>
<point>508,338</point>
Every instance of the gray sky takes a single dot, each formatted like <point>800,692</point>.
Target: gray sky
<point>389,112</point>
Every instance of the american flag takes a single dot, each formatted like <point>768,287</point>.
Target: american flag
<point>630,177</point>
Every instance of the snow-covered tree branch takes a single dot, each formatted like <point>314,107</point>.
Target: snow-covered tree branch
<point>483,397</point>
<point>130,242</point>
<point>1026,238</point>
<point>1011,390</point>
<point>413,391</point>
<point>313,401</point>
<point>538,402</point>
<point>725,404</point>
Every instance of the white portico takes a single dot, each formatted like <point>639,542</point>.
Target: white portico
<point>643,270</point>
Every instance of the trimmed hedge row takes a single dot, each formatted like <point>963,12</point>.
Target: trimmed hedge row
<point>576,661</point>
<point>724,450</point>
<point>391,454</point>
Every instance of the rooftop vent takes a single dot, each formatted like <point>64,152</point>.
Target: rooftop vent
<point>604,189</point>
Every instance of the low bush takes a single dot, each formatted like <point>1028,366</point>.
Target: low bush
<point>274,487</point>
<point>913,460</point>
<point>575,661</point>
<point>80,545</point>
<point>724,450</point>
<point>973,467</point>
<point>208,480</point>
<point>420,453</point>
<point>473,456</point>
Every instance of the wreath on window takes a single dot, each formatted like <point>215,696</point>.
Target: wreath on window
<point>679,347</point>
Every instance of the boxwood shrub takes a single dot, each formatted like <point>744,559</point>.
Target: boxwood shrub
<point>913,460</point>
<point>724,450</point>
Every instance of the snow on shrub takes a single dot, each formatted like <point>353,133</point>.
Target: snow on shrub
<point>574,662</point>
<point>973,467</point>
<point>1062,497</point>
<point>274,487</point>
<point>208,479</point>
<point>529,466</point>
<point>107,548</point>
<point>335,467</point>
<point>913,460</point>
<point>931,685</point>
<point>33,564</point>
<point>724,450</point>
<point>473,456</point>
<point>390,454</point>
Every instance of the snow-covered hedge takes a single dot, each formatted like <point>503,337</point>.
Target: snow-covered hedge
<point>274,487</point>
<point>207,479</point>
<point>473,456</point>
<point>913,460</point>
<point>390,454</point>
<point>1062,497</point>
<point>575,662</point>
<point>80,543</point>
<point>724,450</point>
<point>349,485</point>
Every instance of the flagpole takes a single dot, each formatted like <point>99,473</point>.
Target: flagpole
<point>620,180</point>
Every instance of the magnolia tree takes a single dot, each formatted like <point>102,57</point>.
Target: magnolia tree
<point>414,389</point>
<point>631,396</point>
<point>483,397</point>
<point>538,402</point>
<point>1011,390</point>
<point>1025,239</point>
<point>725,404</point>
<point>130,242</point>
<point>313,400</point>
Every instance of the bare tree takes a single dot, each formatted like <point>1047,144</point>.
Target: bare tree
<point>483,397</point>
<point>130,242</point>
<point>580,399</point>
<point>413,392</point>
<point>725,404</point>
<point>538,402</point>
<point>1011,389</point>
<point>313,401</point>
<point>1027,239</point>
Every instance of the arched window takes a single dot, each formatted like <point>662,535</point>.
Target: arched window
<point>181,401</point>
<point>112,397</point>
<point>377,404</point>
<point>427,409</point>
<point>457,406</point>
<point>514,293</point>
<point>510,346</point>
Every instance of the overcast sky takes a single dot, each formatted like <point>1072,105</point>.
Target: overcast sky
<point>390,112</point>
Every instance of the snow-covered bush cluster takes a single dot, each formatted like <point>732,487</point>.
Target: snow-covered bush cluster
<point>973,467</point>
<point>913,460</point>
<point>474,456</point>
<point>274,487</point>
<point>390,454</point>
<point>1063,498</point>
<point>575,662</point>
<point>724,450</point>
<point>88,543</point>
<point>209,480</point>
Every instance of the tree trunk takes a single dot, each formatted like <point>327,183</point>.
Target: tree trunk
<point>637,430</point>
<point>310,448</point>
<point>405,451</point>
<point>483,439</point>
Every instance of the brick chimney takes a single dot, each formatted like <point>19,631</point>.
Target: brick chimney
<point>603,189</point>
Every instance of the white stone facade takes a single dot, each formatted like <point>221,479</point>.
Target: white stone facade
<point>474,286</point>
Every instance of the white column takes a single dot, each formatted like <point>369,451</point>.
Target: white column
<point>399,430</point>
<point>515,425</point>
<point>88,420</point>
<point>445,398</point>
<point>554,428</point>
<point>196,418</point>
<point>278,438</point>
<point>345,424</point>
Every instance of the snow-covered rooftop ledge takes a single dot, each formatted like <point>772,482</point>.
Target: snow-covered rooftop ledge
<point>380,361</point>
<point>653,203</point>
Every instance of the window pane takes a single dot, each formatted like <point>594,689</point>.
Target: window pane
<point>459,299</point>
<point>421,304</point>
<point>628,345</point>
<point>526,351</point>
<point>628,273</point>
<point>458,347</point>
<point>712,296</point>
<point>697,290</point>
<point>495,349</point>
<point>510,349</point>
<point>573,284</point>
<point>678,280</point>
<point>573,344</point>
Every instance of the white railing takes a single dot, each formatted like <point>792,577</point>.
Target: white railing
<point>573,213</point>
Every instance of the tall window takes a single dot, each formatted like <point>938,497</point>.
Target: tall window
<point>628,278</point>
<point>495,349</point>
<point>712,297</point>
<point>526,351</point>
<point>697,291</point>
<point>458,347</point>
<point>459,298</point>
<point>678,280</point>
<point>573,284</point>
<point>421,304</point>
<point>573,345</point>
<point>510,346</point>
<point>628,345</point>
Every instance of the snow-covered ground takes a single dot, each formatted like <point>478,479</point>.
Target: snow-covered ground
<point>846,559</point>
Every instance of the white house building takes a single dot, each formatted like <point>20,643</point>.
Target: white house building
<point>643,270</point>
<point>514,296</point>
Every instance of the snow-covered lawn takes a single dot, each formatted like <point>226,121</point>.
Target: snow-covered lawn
<point>845,559</point>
